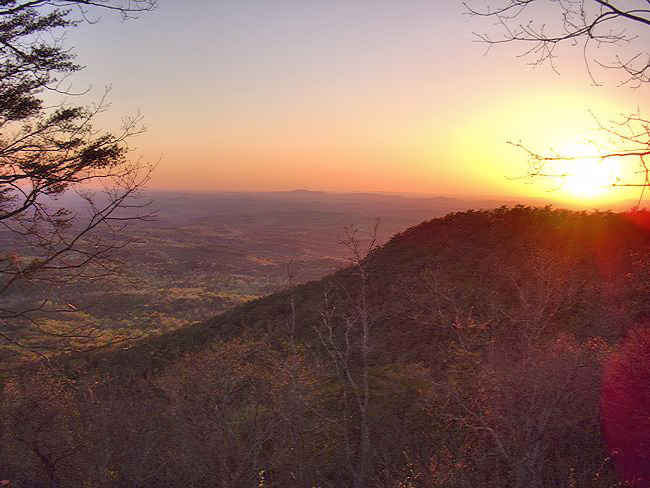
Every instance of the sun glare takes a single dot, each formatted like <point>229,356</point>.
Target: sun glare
<point>589,176</point>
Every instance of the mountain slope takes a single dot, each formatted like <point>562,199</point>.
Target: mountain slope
<point>467,351</point>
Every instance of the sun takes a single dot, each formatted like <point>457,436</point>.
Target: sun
<point>587,174</point>
<point>588,178</point>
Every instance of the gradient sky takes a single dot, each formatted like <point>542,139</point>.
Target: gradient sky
<point>355,95</point>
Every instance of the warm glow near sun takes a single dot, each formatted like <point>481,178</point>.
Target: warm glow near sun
<point>589,176</point>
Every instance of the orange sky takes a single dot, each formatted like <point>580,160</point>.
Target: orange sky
<point>341,96</point>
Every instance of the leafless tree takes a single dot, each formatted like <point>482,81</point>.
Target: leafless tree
<point>618,27</point>
<point>628,139</point>
<point>546,24</point>
<point>67,189</point>
<point>347,340</point>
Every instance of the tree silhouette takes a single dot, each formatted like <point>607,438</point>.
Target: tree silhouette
<point>50,153</point>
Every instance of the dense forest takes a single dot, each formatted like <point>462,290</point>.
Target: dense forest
<point>485,348</point>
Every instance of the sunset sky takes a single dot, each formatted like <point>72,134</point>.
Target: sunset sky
<point>361,95</point>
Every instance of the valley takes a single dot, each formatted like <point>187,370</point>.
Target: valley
<point>206,253</point>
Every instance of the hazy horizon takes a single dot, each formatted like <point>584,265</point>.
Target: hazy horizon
<point>616,204</point>
<point>362,96</point>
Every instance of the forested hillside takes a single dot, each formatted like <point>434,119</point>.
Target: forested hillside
<point>205,253</point>
<point>468,351</point>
